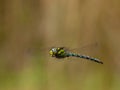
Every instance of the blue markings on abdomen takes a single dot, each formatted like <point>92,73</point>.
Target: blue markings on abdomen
<point>86,57</point>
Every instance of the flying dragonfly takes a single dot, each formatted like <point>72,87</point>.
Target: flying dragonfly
<point>62,52</point>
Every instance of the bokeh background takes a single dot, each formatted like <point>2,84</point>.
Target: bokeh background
<point>28,28</point>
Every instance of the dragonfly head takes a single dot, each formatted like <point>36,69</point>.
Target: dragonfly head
<point>53,51</point>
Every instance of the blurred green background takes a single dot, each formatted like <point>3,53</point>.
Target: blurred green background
<point>29,27</point>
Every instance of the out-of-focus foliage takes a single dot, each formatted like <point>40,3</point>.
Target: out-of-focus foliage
<point>29,27</point>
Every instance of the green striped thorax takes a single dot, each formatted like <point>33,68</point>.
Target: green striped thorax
<point>58,52</point>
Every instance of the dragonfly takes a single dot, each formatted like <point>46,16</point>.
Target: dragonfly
<point>62,52</point>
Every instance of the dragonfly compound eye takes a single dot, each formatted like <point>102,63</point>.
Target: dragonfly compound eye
<point>51,53</point>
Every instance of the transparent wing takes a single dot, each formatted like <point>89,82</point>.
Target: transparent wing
<point>86,49</point>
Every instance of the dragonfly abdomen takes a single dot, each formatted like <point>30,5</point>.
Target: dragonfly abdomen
<point>85,57</point>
